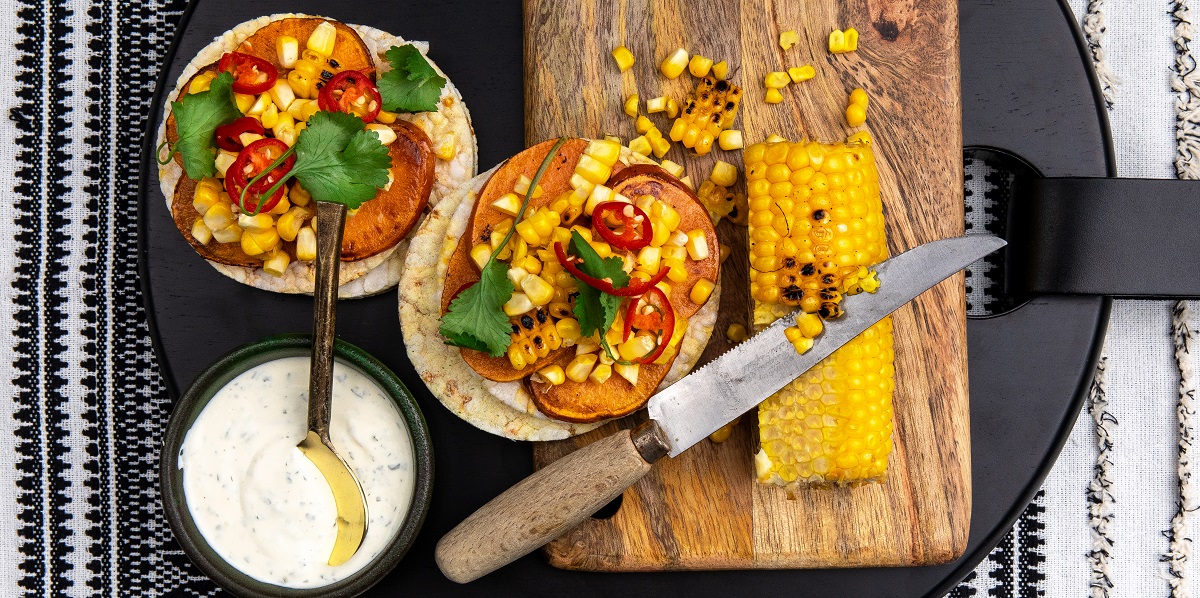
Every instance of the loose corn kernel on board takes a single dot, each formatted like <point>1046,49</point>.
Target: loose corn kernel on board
<point>704,509</point>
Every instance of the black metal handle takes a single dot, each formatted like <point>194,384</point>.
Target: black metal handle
<point>1104,236</point>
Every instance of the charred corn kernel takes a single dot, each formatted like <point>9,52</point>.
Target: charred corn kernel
<point>550,335</point>
<point>736,333</point>
<point>537,289</point>
<point>623,57</point>
<point>208,192</point>
<point>642,124</point>
<point>855,115</point>
<point>723,433</point>
<point>631,105</point>
<point>641,145</point>
<point>270,116</point>
<point>258,242</point>
<point>810,325</point>
<point>518,304</point>
<point>723,173</point>
<point>628,372</point>
<point>701,291</point>
<point>787,39</point>
<point>801,73</point>
<point>658,104</point>
<point>385,133</point>
<point>720,70</point>
<point>776,80</point>
<point>601,373</point>
<point>730,140</point>
<point>593,170</point>
<point>568,329</point>
<point>697,245</point>
<point>201,83</point>
<point>322,39</point>
<point>257,222</point>
<point>581,367</point>
<point>660,146</point>
<point>223,161</point>
<point>282,95</point>
<point>300,84</point>
<point>200,232</point>
<point>509,203</point>
<point>306,245</point>
<point>773,96</point>
<point>699,66</point>
<point>276,263</point>
<point>672,66</point>
<point>219,216</point>
<point>244,101</point>
<point>552,374</point>
<point>676,170</point>
<point>386,117</point>
<point>604,151</point>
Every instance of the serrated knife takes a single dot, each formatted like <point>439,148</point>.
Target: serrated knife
<point>556,498</point>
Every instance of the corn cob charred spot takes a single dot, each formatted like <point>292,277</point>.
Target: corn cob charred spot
<point>816,228</point>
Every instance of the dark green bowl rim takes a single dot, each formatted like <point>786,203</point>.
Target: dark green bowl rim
<point>197,397</point>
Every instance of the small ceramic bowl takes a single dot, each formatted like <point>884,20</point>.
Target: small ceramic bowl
<point>197,397</point>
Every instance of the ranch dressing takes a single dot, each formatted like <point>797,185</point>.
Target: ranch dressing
<point>261,504</point>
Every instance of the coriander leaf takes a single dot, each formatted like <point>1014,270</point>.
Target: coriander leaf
<point>412,85</point>
<point>337,161</point>
<point>595,309</point>
<point>476,317</point>
<point>197,117</point>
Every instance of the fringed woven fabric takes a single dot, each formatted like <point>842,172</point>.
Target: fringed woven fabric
<point>1180,551</point>
<point>1100,496</point>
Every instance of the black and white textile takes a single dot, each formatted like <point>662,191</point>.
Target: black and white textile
<point>82,407</point>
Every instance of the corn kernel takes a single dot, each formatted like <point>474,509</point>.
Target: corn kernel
<point>509,203</point>
<point>676,170</point>
<point>642,124</point>
<point>773,96</point>
<point>809,325</point>
<point>200,232</point>
<point>601,374</point>
<point>552,374</point>
<point>593,170</point>
<point>628,372</point>
<point>697,245</point>
<point>660,146</point>
<point>672,66</point>
<point>787,39</point>
<point>581,367</point>
<point>641,145</point>
<point>723,174</point>
<point>631,105</point>
<point>603,150</point>
<point>322,39</point>
<point>856,115</point>
<point>701,291</point>
<point>720,70</point>
<point>658,104</point>
<point>200,83</point>
<point>522,187</point>
<point>699,66</point>
<point>306,245</point>
<point>623,57</point>
<point>672,108</point>
<point>537,289</point>
<point>776,79</point>
<point>801,73</point>
<point>730,139</point>
<point>736,333</point>
<point>384,117</point>
<point>276,263</point>
<point>859,97</point>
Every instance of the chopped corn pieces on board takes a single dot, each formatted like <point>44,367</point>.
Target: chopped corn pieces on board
<point>704,509</point>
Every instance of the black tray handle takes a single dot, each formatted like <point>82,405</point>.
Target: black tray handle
<point>1104,236</point>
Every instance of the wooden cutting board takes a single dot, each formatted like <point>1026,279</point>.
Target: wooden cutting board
<point>704,510</point>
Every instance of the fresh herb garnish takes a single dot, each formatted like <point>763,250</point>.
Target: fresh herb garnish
<point>412,85</point>
<point>595,309</point>
<point>197,116</point>
<point>336,161</point>
<point>476,318</point>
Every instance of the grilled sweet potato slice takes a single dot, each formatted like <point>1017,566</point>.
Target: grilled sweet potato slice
<point>589,402</point>
<point>378,224</point>
<point>463,272</point>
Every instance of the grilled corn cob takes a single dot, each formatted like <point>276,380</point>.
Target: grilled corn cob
<point>710,111</point>
<point>816,228</point>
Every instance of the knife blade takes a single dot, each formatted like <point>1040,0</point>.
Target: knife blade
<point>556,498</point>
<point>712,396</point>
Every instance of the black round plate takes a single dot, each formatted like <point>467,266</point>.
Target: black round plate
<point>1026,89</point>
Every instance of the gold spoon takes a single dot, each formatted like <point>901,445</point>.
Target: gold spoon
<point>347,492</point>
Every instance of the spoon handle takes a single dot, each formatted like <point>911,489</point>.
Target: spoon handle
<point>331,219</point>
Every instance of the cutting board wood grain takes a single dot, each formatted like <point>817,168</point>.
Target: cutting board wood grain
<point>703,509</point>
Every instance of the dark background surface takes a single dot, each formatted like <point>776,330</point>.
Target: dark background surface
<point>1026,89</point>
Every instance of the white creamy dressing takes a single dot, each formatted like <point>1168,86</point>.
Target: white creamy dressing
<point>261,504</point>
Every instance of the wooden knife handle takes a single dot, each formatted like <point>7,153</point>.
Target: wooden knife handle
<point>546,504</point>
